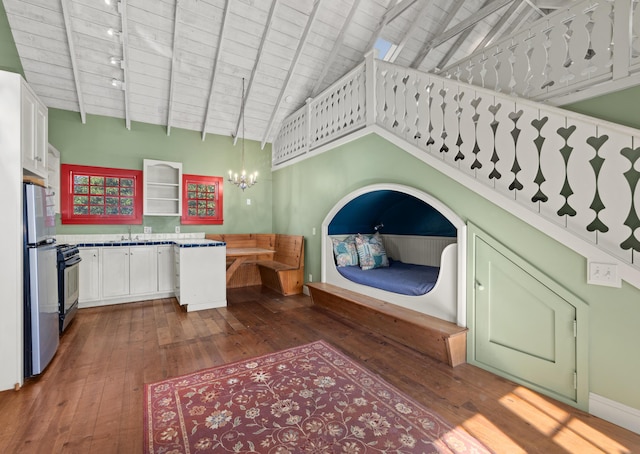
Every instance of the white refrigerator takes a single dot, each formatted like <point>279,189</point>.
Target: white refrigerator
<point>41,310</point>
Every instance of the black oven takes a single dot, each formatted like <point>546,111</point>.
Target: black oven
<point>68,283</point>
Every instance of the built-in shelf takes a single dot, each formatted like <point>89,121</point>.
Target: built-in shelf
<point>162,188</point>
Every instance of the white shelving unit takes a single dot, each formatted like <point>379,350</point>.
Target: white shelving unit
<point>162,188</point>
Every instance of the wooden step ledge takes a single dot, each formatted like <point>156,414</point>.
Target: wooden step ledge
<point>437,338</point>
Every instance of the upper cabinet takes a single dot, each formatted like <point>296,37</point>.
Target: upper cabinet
<point>34,132</point>
<point>53,175</point>
<point>162,188</point>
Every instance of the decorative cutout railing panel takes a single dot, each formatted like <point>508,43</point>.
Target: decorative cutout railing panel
<point>575,173</point>
<point>579,173</point>
<point>292,139</point>
<point>558,54</point>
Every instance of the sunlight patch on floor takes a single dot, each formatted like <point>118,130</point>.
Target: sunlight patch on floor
<point>490,435</point>
<point>567,432</point>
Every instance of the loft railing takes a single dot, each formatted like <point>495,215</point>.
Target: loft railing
<point>589,43</point>
<point>579,173</point>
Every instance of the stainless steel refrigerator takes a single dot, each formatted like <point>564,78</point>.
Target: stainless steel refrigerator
<point>41,317</point>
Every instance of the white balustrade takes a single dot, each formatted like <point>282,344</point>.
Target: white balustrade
<point>578,172</point>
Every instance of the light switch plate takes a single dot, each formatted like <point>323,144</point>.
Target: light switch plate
<point>248,201</point>
<point>147,229</point>
<point>599,273</point>
<point>177,229</point>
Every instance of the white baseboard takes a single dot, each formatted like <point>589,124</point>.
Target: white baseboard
<point>615,412</point>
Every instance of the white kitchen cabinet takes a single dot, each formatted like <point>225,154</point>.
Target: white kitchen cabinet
<point>89,275</point>
<point>143,270</point>
<point>162,188</point>
<point>34,132</point>
<point>201,277</point>
<point>53,175</point>
<point>15,125</point>
<point>165,268</point>
<point>115,272</point>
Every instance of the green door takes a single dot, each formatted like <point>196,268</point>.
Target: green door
<point>523,330</point>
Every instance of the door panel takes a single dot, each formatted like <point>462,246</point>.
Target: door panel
<point>523,329</point>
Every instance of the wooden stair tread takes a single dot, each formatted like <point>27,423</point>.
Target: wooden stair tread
<point>440,339</point>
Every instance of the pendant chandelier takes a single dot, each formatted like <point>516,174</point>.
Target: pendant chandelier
<point>242,180</point>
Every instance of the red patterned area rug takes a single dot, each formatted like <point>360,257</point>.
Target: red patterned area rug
<point>307,399</point>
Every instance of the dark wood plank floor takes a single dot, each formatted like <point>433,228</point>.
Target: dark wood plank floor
<point>89,400</point>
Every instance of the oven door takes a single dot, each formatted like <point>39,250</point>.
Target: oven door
<point>71,282</point>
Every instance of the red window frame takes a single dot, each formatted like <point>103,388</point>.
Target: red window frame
<point>203,194</point>
<point>98,192</point>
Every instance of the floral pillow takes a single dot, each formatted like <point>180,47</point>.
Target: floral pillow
<point>345,251</point>
<point>371,252</point>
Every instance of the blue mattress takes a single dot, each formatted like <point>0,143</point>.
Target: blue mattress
<point>399,277</point>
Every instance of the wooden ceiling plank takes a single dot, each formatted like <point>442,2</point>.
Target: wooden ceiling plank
<point>462,37</point>
<point>337,45</point>
<point>174,65</point>
<point>310,21</point>
<point>392,12</point>
<point>122,6</point>
<point>497,27</point>
<point>518,22</point>
<point>415,25</point>
<point>225,17</point>
<point>442,26</point>
<point>461,26</point>
<point>265,36</point>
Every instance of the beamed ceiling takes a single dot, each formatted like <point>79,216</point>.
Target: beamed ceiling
<point>180,63</point>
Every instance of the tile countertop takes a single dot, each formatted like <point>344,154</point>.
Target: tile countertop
<point>196,242</point>
<point>113,240</point>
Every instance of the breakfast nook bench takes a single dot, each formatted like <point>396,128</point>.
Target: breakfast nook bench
<point>270,259</point>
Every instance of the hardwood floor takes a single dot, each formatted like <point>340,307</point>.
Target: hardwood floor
<point>90,398</point>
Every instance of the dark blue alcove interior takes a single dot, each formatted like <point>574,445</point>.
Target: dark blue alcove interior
<point>401,214</point>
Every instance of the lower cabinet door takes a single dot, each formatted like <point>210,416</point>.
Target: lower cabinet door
<point>165,268</point>
<point>143,269</point>
<point>115,272</point>
<point>89,275</point>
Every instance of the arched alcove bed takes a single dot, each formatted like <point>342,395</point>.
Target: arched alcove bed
<point>417,229</point>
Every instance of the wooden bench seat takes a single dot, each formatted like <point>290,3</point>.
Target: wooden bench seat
<point>437,338</point>
<point>282,270</point>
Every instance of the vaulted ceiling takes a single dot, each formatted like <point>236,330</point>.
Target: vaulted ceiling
<point>181,63</point>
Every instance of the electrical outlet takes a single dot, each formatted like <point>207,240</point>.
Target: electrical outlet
<point>147,229</point>
<point>177,229</point>
<point>248,201</point>
<point>603,274</point>
<point>313,231</point>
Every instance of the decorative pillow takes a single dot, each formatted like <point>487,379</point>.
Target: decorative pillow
<point>371,251</point>
<point>345,251</point>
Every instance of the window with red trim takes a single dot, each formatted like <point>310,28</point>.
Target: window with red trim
<point>100,195</point>
<point>201,199</point>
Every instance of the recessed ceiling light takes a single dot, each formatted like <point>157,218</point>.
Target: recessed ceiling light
<point>288,99</point>
<point>108,2</point>
<point>117,84</point>
<point>112,32</point>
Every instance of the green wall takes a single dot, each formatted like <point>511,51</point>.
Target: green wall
<point>9,59</point>
<point>304,193</point>
<point>619,107</point>
<point>105,142</point>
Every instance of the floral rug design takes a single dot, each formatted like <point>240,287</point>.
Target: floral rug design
<point>307,399</point>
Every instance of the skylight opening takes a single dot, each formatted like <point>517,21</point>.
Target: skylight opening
<point>385,49</point>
